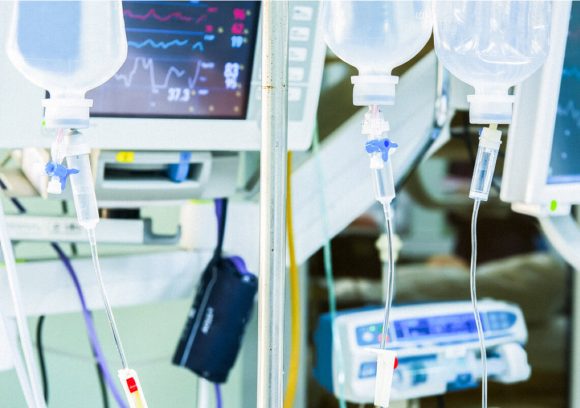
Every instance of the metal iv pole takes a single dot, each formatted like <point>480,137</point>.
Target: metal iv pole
<point>273,158</point>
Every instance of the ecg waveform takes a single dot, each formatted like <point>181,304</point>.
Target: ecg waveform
<point>571,111</point>
<point>152,13</point>
<point>161,44</point>
<point>198,45</point>
<point>148,65</point>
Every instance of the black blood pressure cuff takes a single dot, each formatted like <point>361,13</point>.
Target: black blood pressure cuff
<point>222,306</point>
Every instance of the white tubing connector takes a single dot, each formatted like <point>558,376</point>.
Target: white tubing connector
<point>386,364</point>
<point>490,108</point>
<point>66,113</point>
<point>132,387</point>
<point>489,142</point>
<point>373,90</point>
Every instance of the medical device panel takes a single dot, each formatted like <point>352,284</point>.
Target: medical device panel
<point>436,345</point>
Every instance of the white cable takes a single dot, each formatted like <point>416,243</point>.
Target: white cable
<point>22,324</point>
<point>473,284</point>
<point>12,335</point>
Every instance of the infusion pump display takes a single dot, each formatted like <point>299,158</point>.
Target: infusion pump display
<point>186,59</point>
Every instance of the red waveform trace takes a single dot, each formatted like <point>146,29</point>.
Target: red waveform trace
<point>152,13</point>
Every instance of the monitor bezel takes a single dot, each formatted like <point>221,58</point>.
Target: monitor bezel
<point>530,138</point>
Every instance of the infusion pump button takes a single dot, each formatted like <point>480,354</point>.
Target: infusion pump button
<point>368,337</point>
<point>299,34</point>
<point>302,13</point>
<point>294,94</point>
<point>297,54</point>
<point>295,74</point>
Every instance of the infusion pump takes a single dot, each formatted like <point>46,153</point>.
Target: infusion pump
<point>436,344</point>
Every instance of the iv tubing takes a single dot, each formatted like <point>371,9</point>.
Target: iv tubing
<point>390,276</point>
<point>24,333</point>
<point>110,316</point>
<point>57,149</point>
<point>90,326</point>
<point>489,143</point>
<point>89,323</point>
<point>473,285</point>
<point>295,323</point>
<point>328,273</point>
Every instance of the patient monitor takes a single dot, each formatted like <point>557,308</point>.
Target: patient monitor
<point>542,167</point>
<point>191,80</point>
<point>188,95</point>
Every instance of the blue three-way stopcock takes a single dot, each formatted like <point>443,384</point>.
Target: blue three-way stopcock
<point>382,146</point>
<point>53,169</point>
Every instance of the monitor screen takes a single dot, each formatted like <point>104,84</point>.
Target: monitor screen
<point>565,158</point>
<point>186,59</point>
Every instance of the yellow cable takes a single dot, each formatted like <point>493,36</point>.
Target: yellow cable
<point>294,363</point>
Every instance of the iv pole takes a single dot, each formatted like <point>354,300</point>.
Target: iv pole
<point>273,157</point>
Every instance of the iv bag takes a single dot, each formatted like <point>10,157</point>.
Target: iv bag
<point>67,48</point>
<point>492,45</point>
<point>375,37</point>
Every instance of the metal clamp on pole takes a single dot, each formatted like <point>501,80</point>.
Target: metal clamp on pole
<point>272,204</point>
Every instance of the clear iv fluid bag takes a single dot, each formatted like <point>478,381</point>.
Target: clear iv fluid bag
<point>375,37</point>
<point>492,46</point>
<point>67,47</point>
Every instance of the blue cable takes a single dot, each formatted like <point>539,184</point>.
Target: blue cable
<point>218,395</point>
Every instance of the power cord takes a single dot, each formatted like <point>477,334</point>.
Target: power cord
<point>41,358</point>
<point>218,396</point>
<point>101,377</point>
<point>294,277</point>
